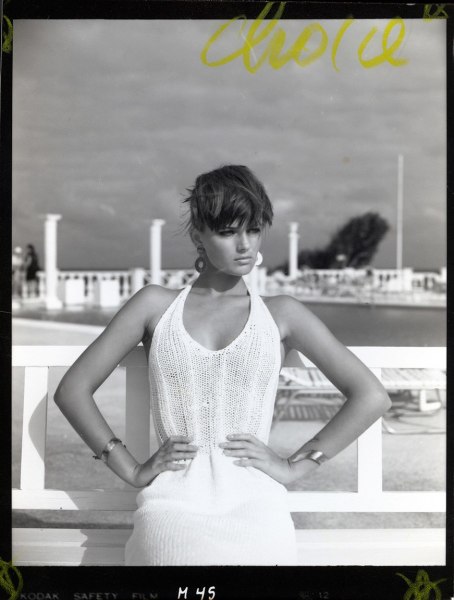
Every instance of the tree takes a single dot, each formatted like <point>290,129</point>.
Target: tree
<point>353,245</point>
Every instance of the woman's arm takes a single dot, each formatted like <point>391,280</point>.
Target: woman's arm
<point>366,398</point>
<point>74,395</point>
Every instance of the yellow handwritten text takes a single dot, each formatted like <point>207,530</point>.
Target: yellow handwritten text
<point>7,36</point>
<point>6,583</point>
<point>434,11</point>
<point>422,587</point>
<point>261,29</point>
<point>387,54</point>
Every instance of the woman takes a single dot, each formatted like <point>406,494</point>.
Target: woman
<point>213,493</point>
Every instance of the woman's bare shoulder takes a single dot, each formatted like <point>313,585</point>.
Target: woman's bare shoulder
<point>283,303</point>
<point>152,301</point>
<point>158,292</point>
<point>285,310</point>
<point>153,298</point>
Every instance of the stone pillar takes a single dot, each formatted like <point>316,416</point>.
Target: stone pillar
<point>293,237</point>
<point>50,261</point>
<point>155,250</point>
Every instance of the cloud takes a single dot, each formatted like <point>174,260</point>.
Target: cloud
<point>113,120</point>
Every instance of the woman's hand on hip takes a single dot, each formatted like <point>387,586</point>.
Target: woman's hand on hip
<point>251,452</point>
<point>175,448</point>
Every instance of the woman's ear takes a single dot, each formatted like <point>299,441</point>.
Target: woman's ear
<point>195,237</point>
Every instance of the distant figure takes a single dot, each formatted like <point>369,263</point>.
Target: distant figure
<point>18,271</point>
<point>31,270</point>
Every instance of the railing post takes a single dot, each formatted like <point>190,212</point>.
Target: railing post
<point>90,287</point>
<point>34,426</point>
<point>137,279</point>
<point>370,465</point>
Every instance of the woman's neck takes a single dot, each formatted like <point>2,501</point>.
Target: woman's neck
<point>217,284</point>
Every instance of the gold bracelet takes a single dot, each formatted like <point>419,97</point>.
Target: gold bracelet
<point>314,455</point>
<point>108,448</point>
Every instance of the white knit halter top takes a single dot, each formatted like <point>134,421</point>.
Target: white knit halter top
<point>213,512</point>
<point>207,394</point>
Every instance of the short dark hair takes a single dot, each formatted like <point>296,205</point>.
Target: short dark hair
<point>227,195</point>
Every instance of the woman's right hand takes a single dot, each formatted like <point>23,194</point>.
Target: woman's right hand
<point>176,447</point>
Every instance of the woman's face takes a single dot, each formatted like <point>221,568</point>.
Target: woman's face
<point>233,249</point>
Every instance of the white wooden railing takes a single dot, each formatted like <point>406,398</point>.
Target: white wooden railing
<point>362,285</point>
<point>425,546</point>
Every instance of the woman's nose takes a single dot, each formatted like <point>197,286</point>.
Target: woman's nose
<point>243,242</point>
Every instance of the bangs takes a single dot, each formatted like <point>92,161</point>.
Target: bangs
<point>228,196</point>
<point>222,210</point>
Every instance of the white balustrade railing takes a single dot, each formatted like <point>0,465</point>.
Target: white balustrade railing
<point>176,278</point>
<point>363,285</point>
<point>123,279</point>
<point>332,546</point>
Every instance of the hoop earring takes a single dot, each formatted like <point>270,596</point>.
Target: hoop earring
<point>200,263</point>
<point>259,260</point>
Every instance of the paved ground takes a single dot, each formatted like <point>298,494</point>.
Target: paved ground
<point>410,462</point>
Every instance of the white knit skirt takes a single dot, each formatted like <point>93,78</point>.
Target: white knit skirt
<point>212,513</point>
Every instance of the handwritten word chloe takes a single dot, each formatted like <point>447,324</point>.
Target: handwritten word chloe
<point>260,29</point>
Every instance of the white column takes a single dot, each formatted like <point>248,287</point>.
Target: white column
<point>155,250</point>
<point>50,261</point>
<point>293,237</point>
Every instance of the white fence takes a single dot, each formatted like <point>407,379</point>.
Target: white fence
<point>424,546</point>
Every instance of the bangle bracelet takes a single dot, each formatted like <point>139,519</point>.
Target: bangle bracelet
<point>314,455</point>
<point>108,448</point>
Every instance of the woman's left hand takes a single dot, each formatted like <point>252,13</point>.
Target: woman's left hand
<point>251,452</point>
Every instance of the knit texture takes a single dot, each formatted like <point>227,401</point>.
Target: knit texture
<point>213,512</point>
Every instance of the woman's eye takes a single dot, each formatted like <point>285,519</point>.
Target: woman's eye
<point>226,232</point>
<point>255,229</point>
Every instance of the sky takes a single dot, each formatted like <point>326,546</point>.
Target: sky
<point>113,120</point>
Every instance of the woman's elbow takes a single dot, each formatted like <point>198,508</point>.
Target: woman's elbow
<point>67,390</point>
<point>60,394</point>
<point>382,401</point>
<point>373,396</point>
